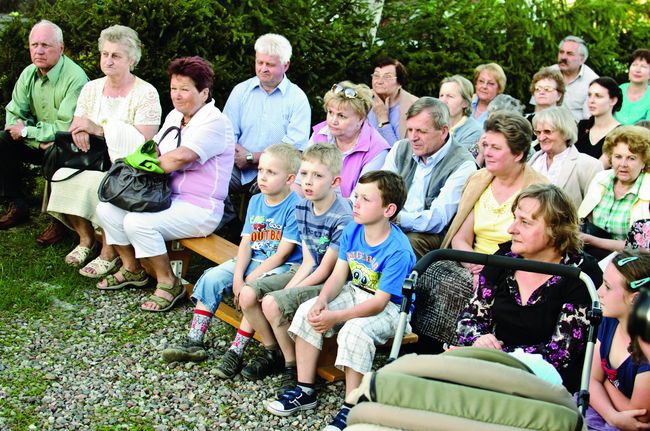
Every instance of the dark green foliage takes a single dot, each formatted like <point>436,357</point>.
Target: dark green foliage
<point>331,39</point>
<point>437,38</point>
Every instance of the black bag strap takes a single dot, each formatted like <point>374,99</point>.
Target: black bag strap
<point>178,135</point>
<point>97,158</point>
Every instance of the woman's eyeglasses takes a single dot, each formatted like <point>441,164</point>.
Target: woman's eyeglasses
<point>348,92</point>
<point>546,132</point>
<point>544,88</point>
<point>380,77</point>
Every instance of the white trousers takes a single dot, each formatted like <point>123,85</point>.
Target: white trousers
<point>147,232</point>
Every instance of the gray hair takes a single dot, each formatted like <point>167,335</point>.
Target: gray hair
<point>124,36</point>
<point>274,44</point>
<point>582,46</point>
<point>58,33</point>
<point>465,88</point>
<point>561,119</point>
<point>505,102</point>
<point>438,111</point>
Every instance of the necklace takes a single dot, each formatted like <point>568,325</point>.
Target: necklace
<point>183,122</point>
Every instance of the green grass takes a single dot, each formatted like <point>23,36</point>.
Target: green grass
<point>31,275</point>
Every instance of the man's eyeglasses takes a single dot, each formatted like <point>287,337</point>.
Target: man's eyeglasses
<point>546,89</point>
<point>348,92</point>
<point>385,77</point>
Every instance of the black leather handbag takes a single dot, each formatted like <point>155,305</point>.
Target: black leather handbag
<point>63,153</point>
<point>136,190</point>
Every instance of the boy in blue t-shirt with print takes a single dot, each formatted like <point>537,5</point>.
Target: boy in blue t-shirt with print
<point>269,303</point>
<point>364,310</point>
<point>269,244</point>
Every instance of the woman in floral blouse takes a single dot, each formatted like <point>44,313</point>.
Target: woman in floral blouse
<point>539,313</point>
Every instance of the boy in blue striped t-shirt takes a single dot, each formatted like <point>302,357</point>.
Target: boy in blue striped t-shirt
<point>269,303</point>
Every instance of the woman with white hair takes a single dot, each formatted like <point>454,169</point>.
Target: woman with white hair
<point>456,92</point>
<point>558,158</point>
<point>126,111</point>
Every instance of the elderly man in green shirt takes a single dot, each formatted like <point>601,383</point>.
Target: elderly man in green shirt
<point>42,103</point>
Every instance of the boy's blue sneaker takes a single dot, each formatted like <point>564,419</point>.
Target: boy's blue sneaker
<point>292,401</point>
<point>340,421</point>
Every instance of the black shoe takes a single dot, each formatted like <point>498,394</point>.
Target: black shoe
<point>270,362</point>
<point>230,365</point>
<point>189,351</point>
<point>288,380</point>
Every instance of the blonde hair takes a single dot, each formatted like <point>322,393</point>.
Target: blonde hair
<point>327,154</point>
<point>361,104</point>
<point>636,138</point>
<point>287,153</point>
<point>495,71</point>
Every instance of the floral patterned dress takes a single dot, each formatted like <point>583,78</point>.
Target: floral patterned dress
<point>551,323</point>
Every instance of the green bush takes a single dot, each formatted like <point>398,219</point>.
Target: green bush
<point>438,38</point>
<point>331,39</point>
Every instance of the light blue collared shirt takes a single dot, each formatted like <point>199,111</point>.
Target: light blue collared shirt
<point>413,216</point>
<point>260,119</point>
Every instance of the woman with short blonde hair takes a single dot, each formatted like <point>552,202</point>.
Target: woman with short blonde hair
<point>347,106</point>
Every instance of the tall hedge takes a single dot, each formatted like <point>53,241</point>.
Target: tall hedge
<point>438,38</point>
<point>331,39</point>
<point>327,38</point>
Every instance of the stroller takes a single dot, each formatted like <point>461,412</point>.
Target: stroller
<point>470,388</point>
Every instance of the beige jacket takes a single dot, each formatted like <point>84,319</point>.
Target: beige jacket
<point>405,99</point>
<point>577,171</point>
<point>474,188</point>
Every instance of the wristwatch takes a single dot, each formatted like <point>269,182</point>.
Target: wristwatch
<point>23,133</point>
<point>249,157</point>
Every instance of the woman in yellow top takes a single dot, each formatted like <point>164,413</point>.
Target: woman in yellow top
<point>480,225</point>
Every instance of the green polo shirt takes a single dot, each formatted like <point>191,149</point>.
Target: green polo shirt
<point>46,104</point>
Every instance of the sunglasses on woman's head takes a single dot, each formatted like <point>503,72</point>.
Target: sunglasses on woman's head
<point>348,92</point>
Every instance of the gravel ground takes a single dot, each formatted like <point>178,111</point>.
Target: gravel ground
<point>96,365</point>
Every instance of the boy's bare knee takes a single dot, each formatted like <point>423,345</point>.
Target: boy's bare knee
<point>247,297</point>
<point>270,309</point>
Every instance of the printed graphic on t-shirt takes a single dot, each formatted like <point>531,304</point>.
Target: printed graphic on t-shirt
<point>363,277</point>
<point>265,235</point>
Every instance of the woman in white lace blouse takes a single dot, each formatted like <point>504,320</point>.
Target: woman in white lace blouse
<point>126,111</point>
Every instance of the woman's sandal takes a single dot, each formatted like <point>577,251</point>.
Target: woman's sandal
<point>122,279</point>
<point>99,267</point>
<point>175,292</point>
<point>80,255</point>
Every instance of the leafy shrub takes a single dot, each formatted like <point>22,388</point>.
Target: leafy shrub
<point>332,39</point>
<point>438,38</point>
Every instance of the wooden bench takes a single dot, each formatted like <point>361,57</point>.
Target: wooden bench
<point>219,250</point>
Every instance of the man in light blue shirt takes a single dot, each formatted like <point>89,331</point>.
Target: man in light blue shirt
<point>265,110</point>
<point>435,170</point>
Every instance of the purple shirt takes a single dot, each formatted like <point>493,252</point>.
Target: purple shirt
<point>369,145</point>
<point>209,134</point>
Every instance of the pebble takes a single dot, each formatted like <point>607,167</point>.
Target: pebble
<point>101,364</point>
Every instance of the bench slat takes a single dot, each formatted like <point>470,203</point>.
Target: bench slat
<point>212,247</point>
<point>220,250</point>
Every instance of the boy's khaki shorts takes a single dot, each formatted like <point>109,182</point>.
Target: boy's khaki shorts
<point>288,300</point>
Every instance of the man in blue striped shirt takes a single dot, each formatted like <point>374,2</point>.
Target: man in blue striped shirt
<point>265,110</point>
